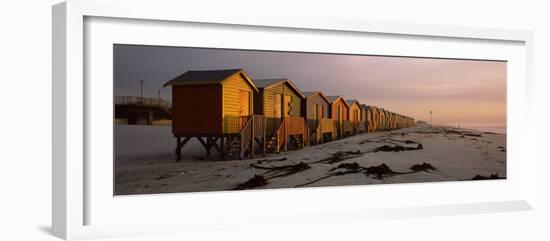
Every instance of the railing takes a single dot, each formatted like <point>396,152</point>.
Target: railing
<point>305,133</point>
<point>246,138</point>
<point>361,126</point>
<point>292,125</point>
<point>295,125</point>
<point>136,100</point>
<point>258,125</point>
<point>234,124</point>
<point>281,136</point>
<point>347,126</point>
<point>326,126</point>
<point>254,126</point>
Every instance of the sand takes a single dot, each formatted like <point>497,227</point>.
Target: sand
<point>145,161</point>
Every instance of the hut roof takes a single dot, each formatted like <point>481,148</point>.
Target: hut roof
<point>263,83</point>
<point>197,77</point>
<point>268,83</point>
<point>308,94</point>
<point>334,98</point>
<point>351,102</point>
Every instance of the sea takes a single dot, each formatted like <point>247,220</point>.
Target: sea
<point>500,130</point>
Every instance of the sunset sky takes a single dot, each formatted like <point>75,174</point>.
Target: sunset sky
<point>469,93</point>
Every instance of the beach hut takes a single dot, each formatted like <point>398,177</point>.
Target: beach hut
<point>388,120</point>
<point>382,119</point>
<point>393,121</point>
<point>376,118</point>
<point>216,106</point>
<point>373,118</point>
<point>367,116</point>
<point>280,101</point>
<point>339,112</point>
<point>356,116</point>
<point>399,121</point>
<point>315,109</point>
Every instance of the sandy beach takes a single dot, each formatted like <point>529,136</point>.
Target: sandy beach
<point>145,161</point>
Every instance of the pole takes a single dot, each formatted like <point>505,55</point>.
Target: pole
<point>141,89</point>
<point>159,96</point>
<point>431,112</point>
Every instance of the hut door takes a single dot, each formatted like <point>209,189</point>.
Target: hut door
<point>287,105</point>
<point>316,113</point>
<point>339,113</point>
<point>278,106</point>
<point>244,97</point>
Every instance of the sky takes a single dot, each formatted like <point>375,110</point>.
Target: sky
<point>469,93</point>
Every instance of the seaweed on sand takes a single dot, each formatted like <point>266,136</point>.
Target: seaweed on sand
<point>490,177</point>
<point>256,181</point>
<point>422,167</point>
<point>349,166</point>
<point>282,171</point>
<point>272,172</point>
<point>397,148</point>
<point>270,160</point>
<point>377,172</point>
<point>381,171</point>
<point>340,156</point>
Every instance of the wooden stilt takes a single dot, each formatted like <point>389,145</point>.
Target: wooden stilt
<point>264,145</point>
<point>286,143</point>
<point>206,146</point>
<point>180,145</point>
<point>252,138</point>
<point>222,151</point>
<point>264,142</point>
<point>178,149</point>
<point>214,143</point>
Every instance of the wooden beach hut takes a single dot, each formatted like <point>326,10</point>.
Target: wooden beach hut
<point>339,112</point>
<point>383,119</point>
<point>356,116</point>
<point>367,116</point>
<point>390,120</point>
<point>315,109</point>
<point>393,120</point>
<point>400,121</point>
<point>280,101</point>
<point>216,108</point>
<point>375,118</point>
<point>387,120</point>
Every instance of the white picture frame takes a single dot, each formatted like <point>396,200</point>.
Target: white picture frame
<point>72,189</point>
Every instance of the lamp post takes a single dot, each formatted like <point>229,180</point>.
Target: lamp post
<point>141,90</point>
<point>431,112</point>
<point>159,96</point>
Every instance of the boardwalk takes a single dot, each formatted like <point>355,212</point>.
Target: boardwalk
<point>136,110</point>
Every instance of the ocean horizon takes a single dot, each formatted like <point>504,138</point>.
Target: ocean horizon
<point>500,130</point>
